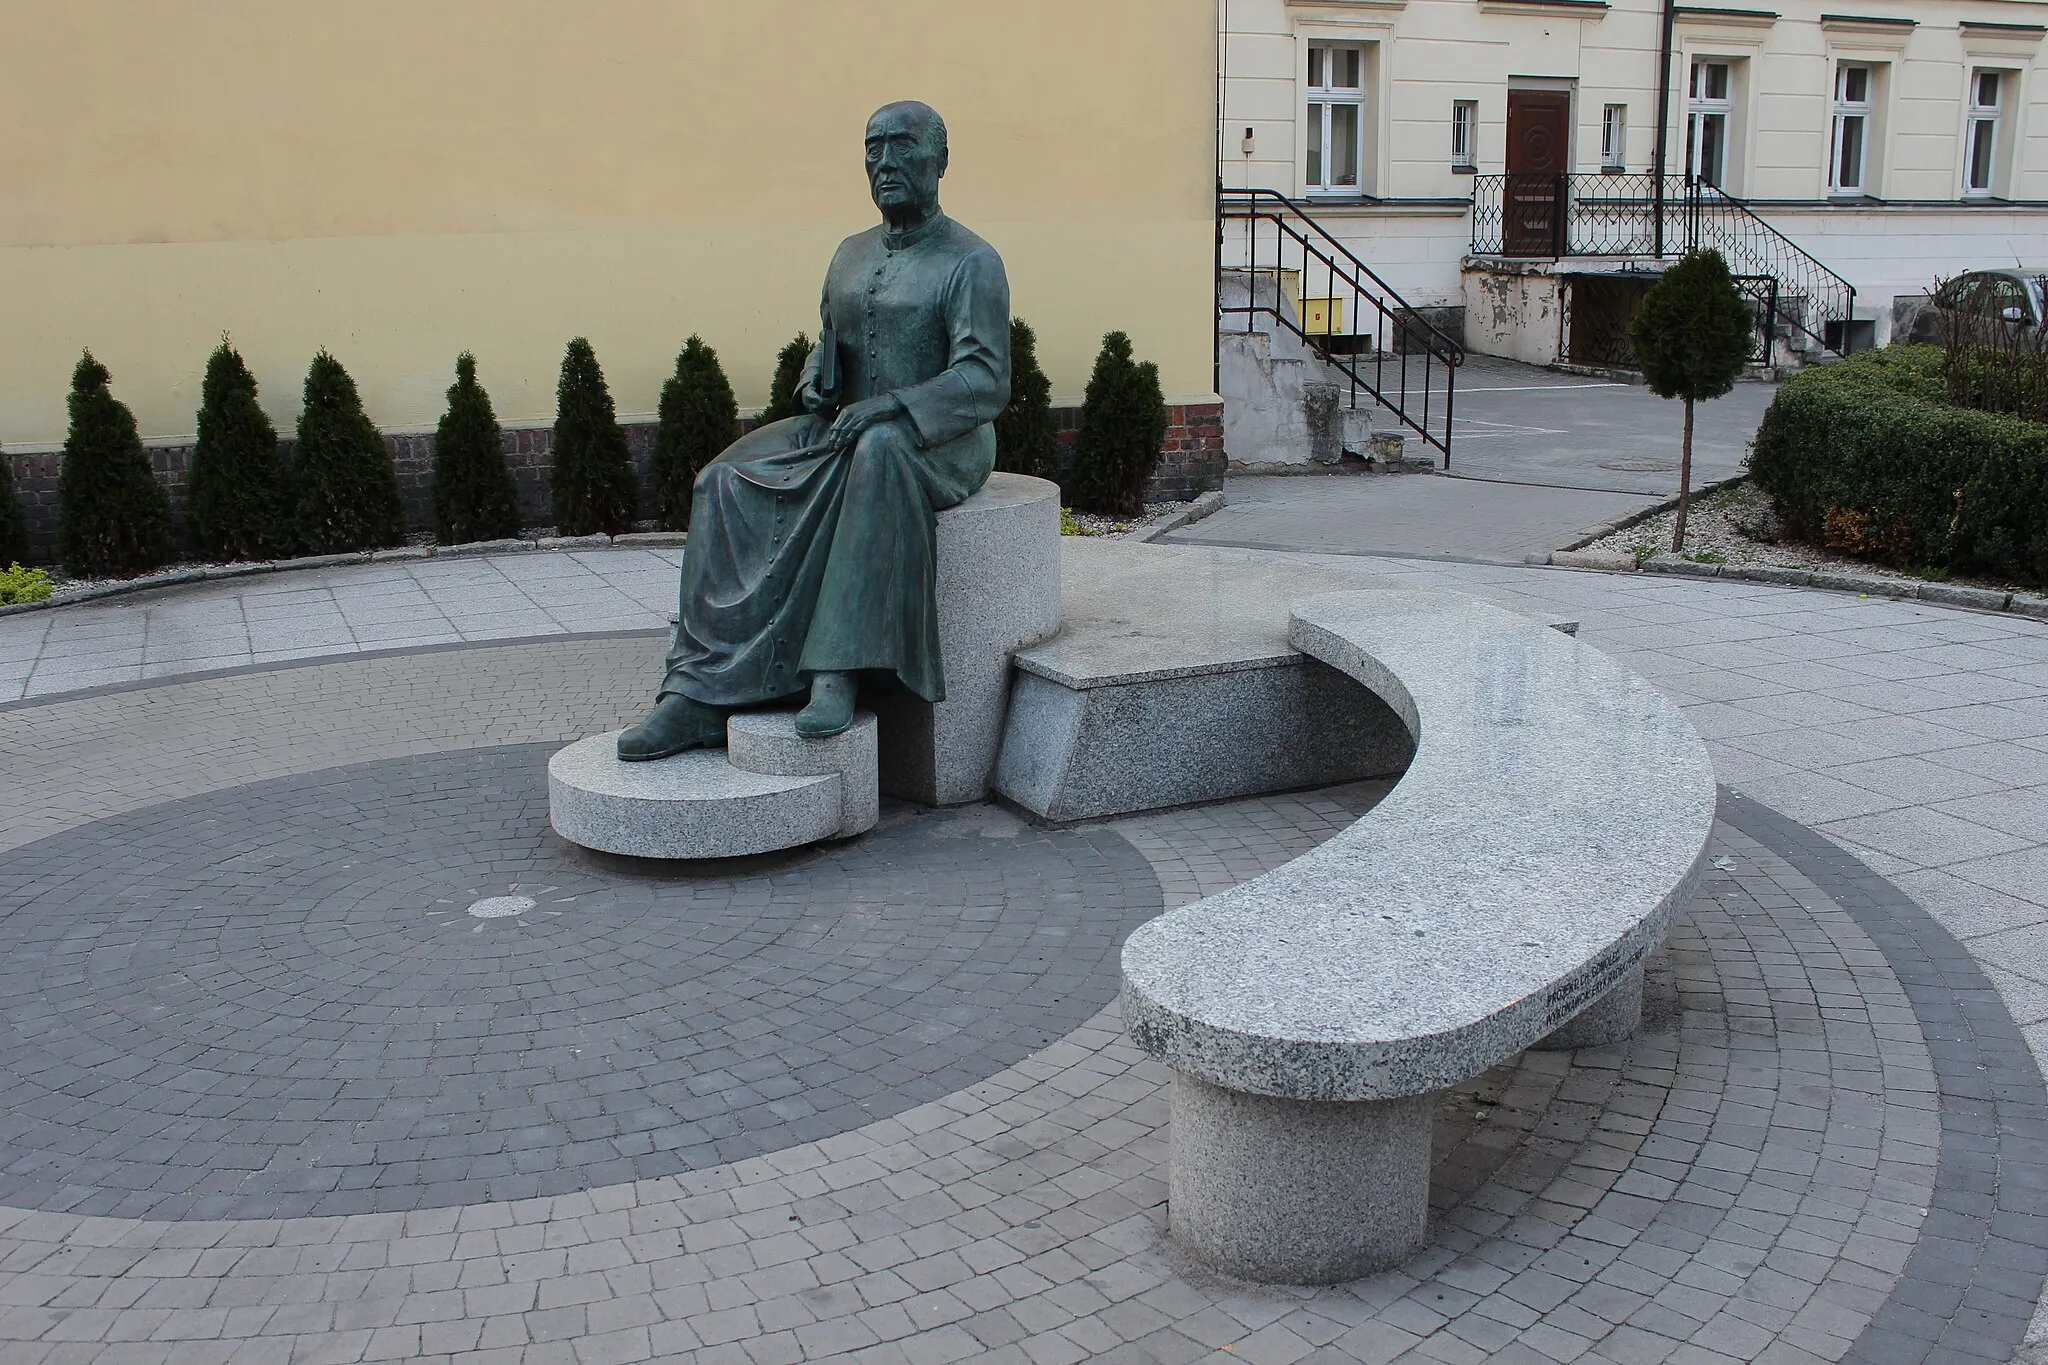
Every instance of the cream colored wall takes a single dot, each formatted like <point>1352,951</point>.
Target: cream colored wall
<point>1436,51</point>
<point>399,181</point>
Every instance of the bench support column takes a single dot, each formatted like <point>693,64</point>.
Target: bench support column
<point>1610,1019</point>
<point>1297,1191</point>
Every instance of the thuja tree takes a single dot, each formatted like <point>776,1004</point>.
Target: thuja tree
<point>347,488</point>
<point>789,372</point>
<point>1123,420</point>
<point>1027,437</point>
<point>113,517</point>
<point>1692,337</point>
<point>699,418</point>
<point>13,525</point>
<point>238,502</point>
<point>593,478</point>
<point>474,496</point>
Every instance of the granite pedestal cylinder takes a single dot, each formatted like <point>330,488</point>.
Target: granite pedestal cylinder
<point>1297,1191</point>
<point>998,563</point>
<point>1610,1019</point>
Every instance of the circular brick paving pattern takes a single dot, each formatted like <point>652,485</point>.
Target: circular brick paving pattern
<point>390,986</point>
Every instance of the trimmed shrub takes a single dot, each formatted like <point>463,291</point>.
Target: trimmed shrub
<point>1027,436</point>
<point>593,479</point>
<point>789,372</point>
<point>347,486</point>
<point>699,418</point>
<point>114,519</point>
<point>1691,338</point>
<point>19,585</point>
<point>474,496</point>
<point>1123,420</point>
<point>238,503</point>
<point>1867,457</point>
<point>13,525</point>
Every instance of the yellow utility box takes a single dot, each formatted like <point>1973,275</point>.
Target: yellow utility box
<point>1322,317</point>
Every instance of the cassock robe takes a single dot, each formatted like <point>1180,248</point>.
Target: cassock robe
<point>801,563</point>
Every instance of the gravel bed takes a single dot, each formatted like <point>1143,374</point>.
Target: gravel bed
<point>1734,524</point>
<point>1088,524</point>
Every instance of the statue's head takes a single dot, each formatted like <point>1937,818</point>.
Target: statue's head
<point>906,155</point>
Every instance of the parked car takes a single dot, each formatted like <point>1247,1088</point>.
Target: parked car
<point>1993,296</point>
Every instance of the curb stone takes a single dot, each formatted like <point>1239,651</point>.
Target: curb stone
<point>1209,503</point>
<point>243,569</point>
<point>2033,605</point>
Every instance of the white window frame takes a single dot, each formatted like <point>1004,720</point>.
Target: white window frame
<point>1985,121</point>
<point>1319,119</point>
<point>1855,121</point>
<point>1700,108</point>
<point>1464,134</point>
<point>1614,137</point>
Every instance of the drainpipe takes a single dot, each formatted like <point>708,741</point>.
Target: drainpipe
<point>1663,118</point>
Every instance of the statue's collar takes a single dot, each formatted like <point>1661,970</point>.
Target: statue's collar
<point>909,237</point>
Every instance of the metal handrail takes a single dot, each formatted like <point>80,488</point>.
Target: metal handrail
<point>1320,261</point>
<point>1618,215</point>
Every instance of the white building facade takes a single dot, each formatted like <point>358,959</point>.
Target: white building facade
<point>1476,153</point>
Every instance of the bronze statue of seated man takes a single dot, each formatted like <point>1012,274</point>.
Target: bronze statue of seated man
<point>810,564</point>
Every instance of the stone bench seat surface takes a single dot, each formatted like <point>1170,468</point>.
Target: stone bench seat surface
<point>1554,818</point>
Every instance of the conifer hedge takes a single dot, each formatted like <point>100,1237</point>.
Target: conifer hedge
<point>789,372</point>
<point>593,476</point>
<point>474,495</point>
<point>13,525</point>
<point>114,519</point>
<point>1123,421</point>
<point>238,501</point>
<point>699,418</point>
<point>348,495</point>
<point>1027,434</point>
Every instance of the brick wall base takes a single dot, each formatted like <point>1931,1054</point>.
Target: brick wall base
<point>1190,464</point>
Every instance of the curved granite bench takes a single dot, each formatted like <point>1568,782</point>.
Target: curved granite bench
<point>1504,895</point>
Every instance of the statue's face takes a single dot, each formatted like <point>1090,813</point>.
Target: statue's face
<point>904,164</point>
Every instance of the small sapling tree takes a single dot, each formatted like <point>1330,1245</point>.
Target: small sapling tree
<point>789,372</point>
<point>1027,437</point>
<point>1692,337</point>
<point>238,503</point>
<point>1123,420</point>
<point>593,478</point>
<point>114,519</point>
<point>348,488</point>
<point>699,418</point>
<point>474,495</point>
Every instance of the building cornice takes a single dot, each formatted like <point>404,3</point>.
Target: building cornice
<point>1547,9</point>
<point>1345,7</point>
<point>2016,31</point>
<point>1727,18</point>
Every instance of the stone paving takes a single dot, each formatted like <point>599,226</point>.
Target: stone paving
<point>1825,1144</point>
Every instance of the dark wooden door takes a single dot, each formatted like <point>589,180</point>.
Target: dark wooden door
<point>1539,153</point>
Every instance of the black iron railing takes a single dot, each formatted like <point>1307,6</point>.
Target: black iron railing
<point>1347,314</point>
<point>1553,216</point>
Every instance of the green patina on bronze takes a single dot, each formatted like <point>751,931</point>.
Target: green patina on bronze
<point>812,539</point>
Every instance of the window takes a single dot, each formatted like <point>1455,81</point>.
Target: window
<point>1981,142</point>
<point>1464,133</point>
<point>1710,107</point>
<point>1336,118</point>
<point>1854,105</point>
<point>1614,137</point>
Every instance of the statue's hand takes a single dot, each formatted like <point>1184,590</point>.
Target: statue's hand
<point>856,418</point>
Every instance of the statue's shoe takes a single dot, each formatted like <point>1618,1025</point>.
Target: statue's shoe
<point>676,723</point>
<point>831,707</point>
